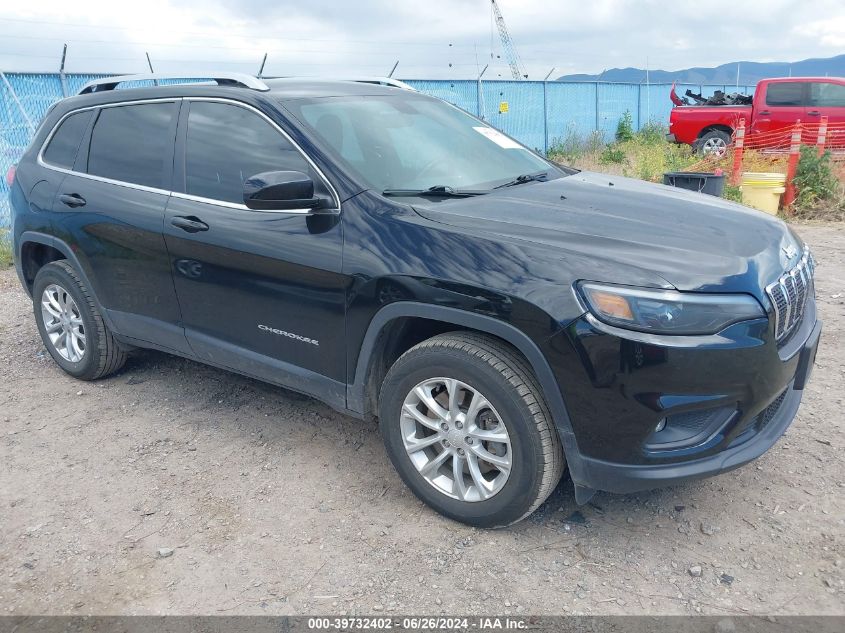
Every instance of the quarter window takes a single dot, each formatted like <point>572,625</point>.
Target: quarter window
<point>133,143</point>
<point>827,95</point>
<point>785,93</point>
<point>226,144</point>
<point>62,149</point>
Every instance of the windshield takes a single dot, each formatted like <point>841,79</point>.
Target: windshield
<point>410,143</point>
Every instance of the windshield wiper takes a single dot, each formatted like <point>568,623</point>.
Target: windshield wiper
<point>524,178</point>
<point>437,191</point>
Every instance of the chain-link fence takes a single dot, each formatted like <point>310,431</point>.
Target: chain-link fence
<point>537,113</point>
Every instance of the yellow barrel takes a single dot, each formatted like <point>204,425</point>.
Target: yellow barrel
<point>762,191</point>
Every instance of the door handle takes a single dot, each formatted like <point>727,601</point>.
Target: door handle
<point>813,113</point>
<point>73,200</point>
<point>764,112</point>
<point>190,223</point>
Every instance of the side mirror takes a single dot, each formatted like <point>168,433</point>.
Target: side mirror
<point>282,191</point>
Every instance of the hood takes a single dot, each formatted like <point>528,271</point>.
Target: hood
<point>691,240</point>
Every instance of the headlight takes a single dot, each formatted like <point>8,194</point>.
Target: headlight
<point>668,311</point>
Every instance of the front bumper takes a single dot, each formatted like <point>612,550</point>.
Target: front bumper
<point>629,387</point>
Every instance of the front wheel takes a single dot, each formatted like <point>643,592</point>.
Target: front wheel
<point>465,425</point>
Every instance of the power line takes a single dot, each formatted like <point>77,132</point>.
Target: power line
<point>249,36</point>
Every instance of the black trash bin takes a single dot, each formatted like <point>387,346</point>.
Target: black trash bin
<point>703,182</point>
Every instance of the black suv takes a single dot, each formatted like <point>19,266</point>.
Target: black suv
<point>391,255</point>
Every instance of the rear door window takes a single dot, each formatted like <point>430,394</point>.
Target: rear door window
<point>62,149</point>
<point>226,144</point>
<point>827,95</point>
<point>786,93</point>
<point>133,144</point>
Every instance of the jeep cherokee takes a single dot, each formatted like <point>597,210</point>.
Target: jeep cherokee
<point>502,317</point>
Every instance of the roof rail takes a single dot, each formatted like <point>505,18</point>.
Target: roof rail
<point>383,81</point>
<point>223,79</point>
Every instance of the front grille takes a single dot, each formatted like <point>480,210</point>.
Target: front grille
<point>789,295</point>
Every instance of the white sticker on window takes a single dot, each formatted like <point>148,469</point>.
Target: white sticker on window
<point>497,137</point>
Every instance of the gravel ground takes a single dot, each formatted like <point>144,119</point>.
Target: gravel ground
<point>175,488</point>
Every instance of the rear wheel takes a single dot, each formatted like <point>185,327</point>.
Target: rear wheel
<point>466,427</point>
<point>714,142</point>
<point>70,325</point>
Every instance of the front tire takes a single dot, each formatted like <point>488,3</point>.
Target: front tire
<point>71,326</point>
<point>466,427</point>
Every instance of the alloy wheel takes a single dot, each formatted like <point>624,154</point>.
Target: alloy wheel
<point>63,323</point>
<point>456,439</point>
<point>715,146</point>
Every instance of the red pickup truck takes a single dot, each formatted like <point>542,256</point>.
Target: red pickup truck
<point>776,104</point>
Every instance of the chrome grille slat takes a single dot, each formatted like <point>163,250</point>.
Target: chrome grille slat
<point>789,295</point>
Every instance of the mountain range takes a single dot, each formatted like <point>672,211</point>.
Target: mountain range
<point>749,72</point>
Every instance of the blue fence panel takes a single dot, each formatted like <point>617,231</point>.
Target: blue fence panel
<point>35,93</point>
<point>539,114</point>
<point>571,111</point>
<point>523,118</point>
<point>655,104</point>
<point>463,94</point>
<point>614,100</point>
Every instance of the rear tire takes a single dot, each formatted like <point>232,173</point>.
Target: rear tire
<point>488,464</point>
<point>714,142</point>
<point>71,326</point>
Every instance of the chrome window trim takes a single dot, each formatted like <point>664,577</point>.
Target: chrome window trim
<point>335,197</point>
<point>120,183</point>
<point>177,194</point>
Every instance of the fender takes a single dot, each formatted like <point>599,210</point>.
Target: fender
<point>355,392</point>
<point>64,249</point>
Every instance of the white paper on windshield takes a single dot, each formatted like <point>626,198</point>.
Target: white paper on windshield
<point>497,137</point>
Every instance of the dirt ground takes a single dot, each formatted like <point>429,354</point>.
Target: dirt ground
<point>271,503</point>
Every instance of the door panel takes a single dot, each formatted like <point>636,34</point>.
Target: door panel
<point>118,234</point>
<point>115,226</point>
<point>784,105</point>
<point>267,283</point>
<point>260,292</point>
<point>827,98</point>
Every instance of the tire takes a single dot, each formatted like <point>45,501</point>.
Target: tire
<point>713,142</point>
<point>98,354</point>
<point>466,363</point>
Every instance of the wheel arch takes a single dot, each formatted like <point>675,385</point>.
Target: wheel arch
<point>35,250</point>
<point>372,361</point>
<point>716,127</point>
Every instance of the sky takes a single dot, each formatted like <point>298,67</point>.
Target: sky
<point>438,39</point>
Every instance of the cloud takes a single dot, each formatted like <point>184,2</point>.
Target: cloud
<point>432,38</point>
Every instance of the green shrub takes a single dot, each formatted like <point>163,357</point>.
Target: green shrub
<point>567,148</point>
<point>612,154</point>
<point>732,193</point>
<point>815,179</point>
<point>653,133</point>
<point>625,127</point>
<point>5,249</point>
